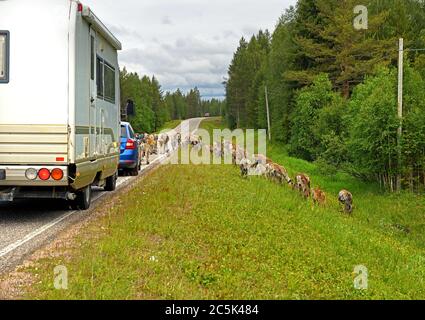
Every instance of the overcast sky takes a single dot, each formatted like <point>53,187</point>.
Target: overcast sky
<point>185,43</point>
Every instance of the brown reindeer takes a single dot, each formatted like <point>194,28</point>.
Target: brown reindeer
<point>238,154</point>
<point>319,197</point>
<point>303,184</point>
<point>346,198</point>
<point>278,173</point>
<point>261,159</point>
<point>244,166</point>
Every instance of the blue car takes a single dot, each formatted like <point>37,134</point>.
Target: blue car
<point>130,153</point>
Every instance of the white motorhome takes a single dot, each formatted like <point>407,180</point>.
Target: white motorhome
<point>59,101</point>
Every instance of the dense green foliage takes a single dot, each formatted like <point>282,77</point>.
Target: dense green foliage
<point>332,89</point>
<point>153,108</point>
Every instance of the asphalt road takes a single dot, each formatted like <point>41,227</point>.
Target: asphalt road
<point>28,225</point>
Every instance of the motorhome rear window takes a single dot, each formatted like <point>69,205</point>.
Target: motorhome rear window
<point>4,56</point>
<point>105,80</point>
<point>109,74</point>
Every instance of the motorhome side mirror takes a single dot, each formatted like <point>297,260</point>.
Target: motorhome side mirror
<point>130,108</point>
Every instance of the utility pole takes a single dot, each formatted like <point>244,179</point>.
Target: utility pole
<point>400,107</point>
<point>268,113</point>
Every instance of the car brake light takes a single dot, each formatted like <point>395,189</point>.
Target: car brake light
<point>44,174</point>
<point>130,145</point>
<point>57,174</point>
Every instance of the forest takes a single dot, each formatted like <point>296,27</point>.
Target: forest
<point>153,108</point>
<point>332,89</point>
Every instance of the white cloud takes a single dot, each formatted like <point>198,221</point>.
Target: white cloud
<point>185,43</point>
<point>166,20</point>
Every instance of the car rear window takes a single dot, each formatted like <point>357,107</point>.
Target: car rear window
<point>130,129</point>
<point>123,132</point>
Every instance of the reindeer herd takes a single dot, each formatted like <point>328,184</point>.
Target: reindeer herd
<point>265,167</point>
<point>260,165</point>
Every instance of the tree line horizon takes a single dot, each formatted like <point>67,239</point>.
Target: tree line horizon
<point>153,108</point>
<point>333,88</point>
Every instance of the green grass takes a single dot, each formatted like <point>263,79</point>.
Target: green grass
<point>211,124</point>
<point>170,125</point>
<point>215,235</point>
<point>381,209</point>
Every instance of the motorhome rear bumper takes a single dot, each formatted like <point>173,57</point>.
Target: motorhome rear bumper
<point>11,194</point>
<point>7,194</point>
<point>14,176</point>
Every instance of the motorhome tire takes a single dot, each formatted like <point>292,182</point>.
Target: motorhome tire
<point>83,199</point>
<point>111,183</point>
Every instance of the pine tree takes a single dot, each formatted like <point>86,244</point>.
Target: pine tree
<point>329,43</point>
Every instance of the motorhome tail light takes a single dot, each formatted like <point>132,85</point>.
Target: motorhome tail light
<point>80,7</point>
<point>57,174</point>
<point>44,174</point>
<point>131,144</point>
<point>31,174</point>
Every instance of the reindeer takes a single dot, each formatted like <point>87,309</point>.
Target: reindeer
<point>278,173</point>
<point>346,198</point>
<point>318,196</point>
<point>163,143</point>
<point>245,165</point>
<point>179,138</point>
<point>194,140</point>
<point>218,149</point>
<point>238,154</point>
<point>260,158</point>
<point>303,184</point>
<point>148,147</point>
<point>260,165</point>
<point>259,169</point>
<point>227,147</point>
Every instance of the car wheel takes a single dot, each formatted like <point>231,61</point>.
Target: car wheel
<point>134,172</point>
<point>111,183</point>
<point>83,199</point>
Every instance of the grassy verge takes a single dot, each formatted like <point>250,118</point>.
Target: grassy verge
<point>389,213</point>
<point>170,125</point>
<point>211,124</point>
<point>202,232</point>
